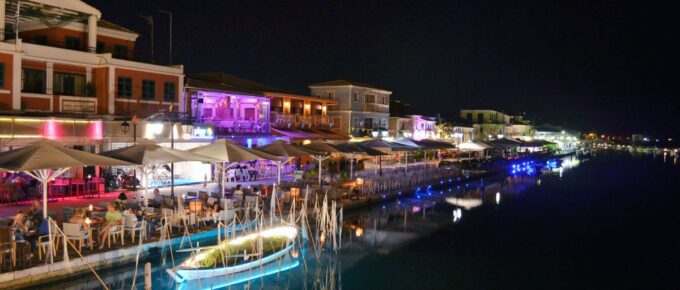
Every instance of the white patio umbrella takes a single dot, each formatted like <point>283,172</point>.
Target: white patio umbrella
<point>45,160</point>
<point>227,151</point>
<point>282,149</point>
<point>407,142</point>
<point>351,149</point>
<point>146,153</point>
<point>321,147</point>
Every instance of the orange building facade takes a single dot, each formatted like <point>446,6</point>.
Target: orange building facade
<point>80,68</point>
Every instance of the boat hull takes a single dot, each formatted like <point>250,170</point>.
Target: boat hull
<point>181,275</point>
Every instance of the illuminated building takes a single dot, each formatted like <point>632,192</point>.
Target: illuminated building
<point>488,124</point>
<point>363,110</point>
<point>252,113</point>
<point>66,74</point>
<point>416,127</point>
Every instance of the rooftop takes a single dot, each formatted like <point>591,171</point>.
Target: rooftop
<point>336,83</point>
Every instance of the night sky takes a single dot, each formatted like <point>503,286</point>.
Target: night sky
<point>609,66</point>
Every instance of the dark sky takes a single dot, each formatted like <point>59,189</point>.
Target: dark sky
<point>588,65</point>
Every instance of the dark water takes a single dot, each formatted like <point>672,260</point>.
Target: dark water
<point>609,222</point>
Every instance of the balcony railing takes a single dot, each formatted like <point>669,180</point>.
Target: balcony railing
<point>230,127</point>
<point>121,54</point>
<point>375,107</point>
<point>299,121</point>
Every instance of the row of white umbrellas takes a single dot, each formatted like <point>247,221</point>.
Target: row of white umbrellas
<point>46,160</point>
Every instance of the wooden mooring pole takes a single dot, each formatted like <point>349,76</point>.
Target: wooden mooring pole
<point>147,276</point>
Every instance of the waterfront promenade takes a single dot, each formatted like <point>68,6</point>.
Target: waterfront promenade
<point>376,189</point>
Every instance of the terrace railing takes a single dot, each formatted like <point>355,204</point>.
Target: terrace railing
<point>281,120</point>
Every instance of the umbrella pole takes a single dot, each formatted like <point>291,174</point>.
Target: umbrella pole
<point>146,187</point>
<point>224,183</point>
<point>278,172</point>
<point>406,161</point>
<point>44,182</point>
<point>351,167</point>
<point>320,159</point>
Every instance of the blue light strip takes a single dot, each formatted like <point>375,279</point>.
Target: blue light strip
<point>245,279</point>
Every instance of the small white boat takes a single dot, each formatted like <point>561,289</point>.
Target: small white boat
<point>262,248</point>
<point>467,203</point>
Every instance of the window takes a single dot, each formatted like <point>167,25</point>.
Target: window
<point>2,75</point>
<point>72,43</point>
<point>331,95</point>
<point>355,98</point>
<point>384,100</point>
<point>480,118</point>
<point>370,99</point>
<point>469,117</point>
<point>33,81</point>
<point>42,40</point>
<point>120,51</point>
<point>148,90</point>
<point>169,92</point>
<point>124,87</point>
<point>69,84</point>
<point>101,47</point>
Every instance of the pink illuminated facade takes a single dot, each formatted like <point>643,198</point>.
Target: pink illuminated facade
<point>229,105</point>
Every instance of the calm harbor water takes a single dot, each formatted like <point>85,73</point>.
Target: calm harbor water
<point>603,223</point>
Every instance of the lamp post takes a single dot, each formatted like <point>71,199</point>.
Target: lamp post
<point>169,14</point>
<point>125,128</point>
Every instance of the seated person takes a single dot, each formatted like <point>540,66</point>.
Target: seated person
<point>79,218</point>
<point>157,197</point>
<point>113,218</point>
<point>122,197</point>
<point>239,193</point>
<point>19,225</point>
<point>35,214</point>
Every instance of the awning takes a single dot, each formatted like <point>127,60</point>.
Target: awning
<point>504,143</point>
<point>536,143</point>
<point>473,146</point>
<point>309,134</point>
<point>428,144</point>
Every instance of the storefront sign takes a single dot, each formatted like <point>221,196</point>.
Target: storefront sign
<point>79,106</point>
<point>201,132</point>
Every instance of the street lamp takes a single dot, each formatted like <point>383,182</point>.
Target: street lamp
<point>125,128</point>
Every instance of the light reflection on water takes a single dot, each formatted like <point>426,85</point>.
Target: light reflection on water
<point>379,230</point>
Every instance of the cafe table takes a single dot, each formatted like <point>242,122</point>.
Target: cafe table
<point>94,225</point>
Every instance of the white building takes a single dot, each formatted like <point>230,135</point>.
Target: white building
<point>416,127</point>
<point>488,124</point>
<point>363,110</point>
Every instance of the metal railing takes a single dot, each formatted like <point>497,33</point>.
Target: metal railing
<point>299,121</point>
<point>375,107</point>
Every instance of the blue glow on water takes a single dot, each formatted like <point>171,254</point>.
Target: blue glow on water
<point>254,275</point>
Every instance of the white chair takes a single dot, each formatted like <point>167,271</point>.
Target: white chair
<point>44,243</point>
<point>133,226</point>
<point>231,175</point>
<point>115,231</point>
<point>169,219</point>
<point>74,232</point>
<point>226,216</point>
